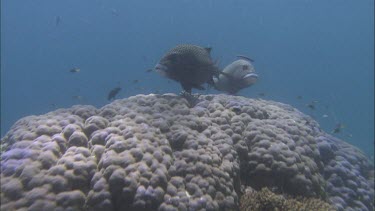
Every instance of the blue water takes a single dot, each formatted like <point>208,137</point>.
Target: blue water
<point>321,50</point>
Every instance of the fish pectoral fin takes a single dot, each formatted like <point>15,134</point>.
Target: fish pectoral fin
<point>229,76</point>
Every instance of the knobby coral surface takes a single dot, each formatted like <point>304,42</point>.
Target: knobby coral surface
<point>158,152</point>
<point>265,199</point>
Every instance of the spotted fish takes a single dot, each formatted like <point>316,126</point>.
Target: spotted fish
<point>190,65</point>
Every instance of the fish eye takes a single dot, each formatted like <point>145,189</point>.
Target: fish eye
<point>245,67</point>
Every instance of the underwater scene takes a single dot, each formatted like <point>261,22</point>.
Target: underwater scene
<point>187,105</point>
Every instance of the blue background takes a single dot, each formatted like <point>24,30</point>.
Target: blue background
<point>321,50</point>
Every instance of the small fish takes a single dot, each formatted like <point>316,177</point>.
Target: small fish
<point>114,12</point>
<point>338,128</point>
<point>148,70</point>
<point>74,70</point>
<point>112,94</point>
<point>83,20</point>
<point>57,20</point>
<point>135,81</point>
<point>324,115</point>
<point>311,106</point>
<point>262,94</point>
<point>299,97</point>
<point>77,97</point>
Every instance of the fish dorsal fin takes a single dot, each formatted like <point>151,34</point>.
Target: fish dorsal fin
<point>245,58</point>
<point>208,49</point>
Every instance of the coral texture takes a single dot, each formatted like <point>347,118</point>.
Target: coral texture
<point>267,200</point>
<point>158,152</point>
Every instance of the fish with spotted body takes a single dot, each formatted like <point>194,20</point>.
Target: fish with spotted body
<point>190,65</point>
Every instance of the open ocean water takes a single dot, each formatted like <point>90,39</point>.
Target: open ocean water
<point>305,51</point>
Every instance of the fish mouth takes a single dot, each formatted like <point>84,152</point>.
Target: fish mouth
<point>159,66</point>
<point>161,69</point>
<point>250,78</point>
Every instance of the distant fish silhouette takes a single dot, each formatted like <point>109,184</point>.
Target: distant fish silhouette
<point>112,94</point>
<point>57,20</point>
<point>77,97</point>
<point>338,128</point>
<point>114,12</point>
<point>312,104</point>
<point>262,94</point>
<point>74,70</point>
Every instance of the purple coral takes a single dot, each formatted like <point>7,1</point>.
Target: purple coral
<point>154,152</point>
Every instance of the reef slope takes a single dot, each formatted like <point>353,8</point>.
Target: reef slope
<point>157,152</point>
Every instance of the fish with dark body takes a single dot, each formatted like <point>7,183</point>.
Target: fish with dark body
<point>190,65</point>
<point>77,97</point>
<point>74,70</point>
<point>57,20</point>
<point>112,94</point>
<point>262,94</point>
<point>312,104</point>
<point>238,75</point>
<point>338,128</point>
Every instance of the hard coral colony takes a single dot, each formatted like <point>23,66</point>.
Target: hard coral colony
<point>156,152</point>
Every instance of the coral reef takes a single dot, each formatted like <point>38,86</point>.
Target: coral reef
<point>157,152</point>
<point>267,200</point>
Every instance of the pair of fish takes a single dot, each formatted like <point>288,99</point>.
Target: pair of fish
<point>192,66</point>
